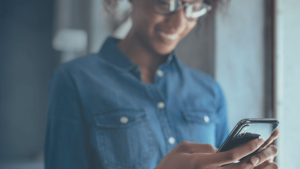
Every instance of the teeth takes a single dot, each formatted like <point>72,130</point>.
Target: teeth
<point>169,36</point>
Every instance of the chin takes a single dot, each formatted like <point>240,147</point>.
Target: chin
<point>164,48</point>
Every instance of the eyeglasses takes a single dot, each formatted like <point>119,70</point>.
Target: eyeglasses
<point>193,10</point>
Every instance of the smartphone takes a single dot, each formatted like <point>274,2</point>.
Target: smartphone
<point>247,130</point>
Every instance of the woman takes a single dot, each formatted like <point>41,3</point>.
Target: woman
<point>135,105</point>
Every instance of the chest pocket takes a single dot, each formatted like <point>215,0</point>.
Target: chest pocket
<point>202,125</point>
<point>124,137</point>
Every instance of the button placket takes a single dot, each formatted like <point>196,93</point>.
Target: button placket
<point>162,115</point>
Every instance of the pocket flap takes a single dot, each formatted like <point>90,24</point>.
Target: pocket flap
<point>119,118</point>
<point>202,116</point>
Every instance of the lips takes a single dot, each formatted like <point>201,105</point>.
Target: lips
<point>169,36</point>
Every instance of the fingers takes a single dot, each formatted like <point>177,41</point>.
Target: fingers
<point>237,153</point>
<point>267,165</point>
<point>247,165</point>
<point>262,160</point>
<point>269,153</point>
<point>270,139</point>
<point>189,147</point>
<point>272,159</point>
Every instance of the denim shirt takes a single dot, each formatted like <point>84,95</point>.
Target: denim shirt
<point>101,115</point>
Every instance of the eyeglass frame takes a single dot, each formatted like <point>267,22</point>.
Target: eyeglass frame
<point>185,4</point>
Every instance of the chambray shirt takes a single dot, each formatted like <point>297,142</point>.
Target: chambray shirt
<point>101,115</point>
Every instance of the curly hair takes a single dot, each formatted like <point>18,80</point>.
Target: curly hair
<point>110,7</point>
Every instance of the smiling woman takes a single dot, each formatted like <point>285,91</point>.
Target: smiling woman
<point>157,30</point>
<point>134,105</point>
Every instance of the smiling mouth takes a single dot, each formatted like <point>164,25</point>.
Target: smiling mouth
<point>169,36</point>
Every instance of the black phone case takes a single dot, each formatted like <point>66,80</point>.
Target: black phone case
<point>257,128</point>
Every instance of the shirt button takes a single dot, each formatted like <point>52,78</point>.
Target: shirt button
<point>124,120</point>
<point>206,119</point>
<point>172,140</point>
<point>161,105</point>
<point>160,73</point>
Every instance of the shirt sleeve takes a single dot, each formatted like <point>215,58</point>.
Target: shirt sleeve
<point>65,138</point>
<point>222,127</point>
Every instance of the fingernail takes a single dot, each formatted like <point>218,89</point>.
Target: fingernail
<point>254,160</point>
<point>260,142</point>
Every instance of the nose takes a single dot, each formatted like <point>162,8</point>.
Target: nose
<point>177,21</point>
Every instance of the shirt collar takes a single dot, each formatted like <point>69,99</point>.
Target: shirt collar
<point>111,53</point>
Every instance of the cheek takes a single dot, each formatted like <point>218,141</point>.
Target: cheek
<point>144,20</point>
<point>164,48</point>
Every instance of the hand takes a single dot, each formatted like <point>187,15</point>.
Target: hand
<point>266,153</point>
<point>267,165</point>
<point>263,159</point>
<point>270,140</point>
<point>267,150</point>
<point>203,156</point>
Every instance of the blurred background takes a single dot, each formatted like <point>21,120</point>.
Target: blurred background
<point>251,47</point>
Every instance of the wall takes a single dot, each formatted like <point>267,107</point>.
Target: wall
<point>239,57</point>
<point>197,49</point>
<point>26,63</point>
<point>288,82</point>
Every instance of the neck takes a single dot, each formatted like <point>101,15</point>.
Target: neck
<point>144,57</point>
